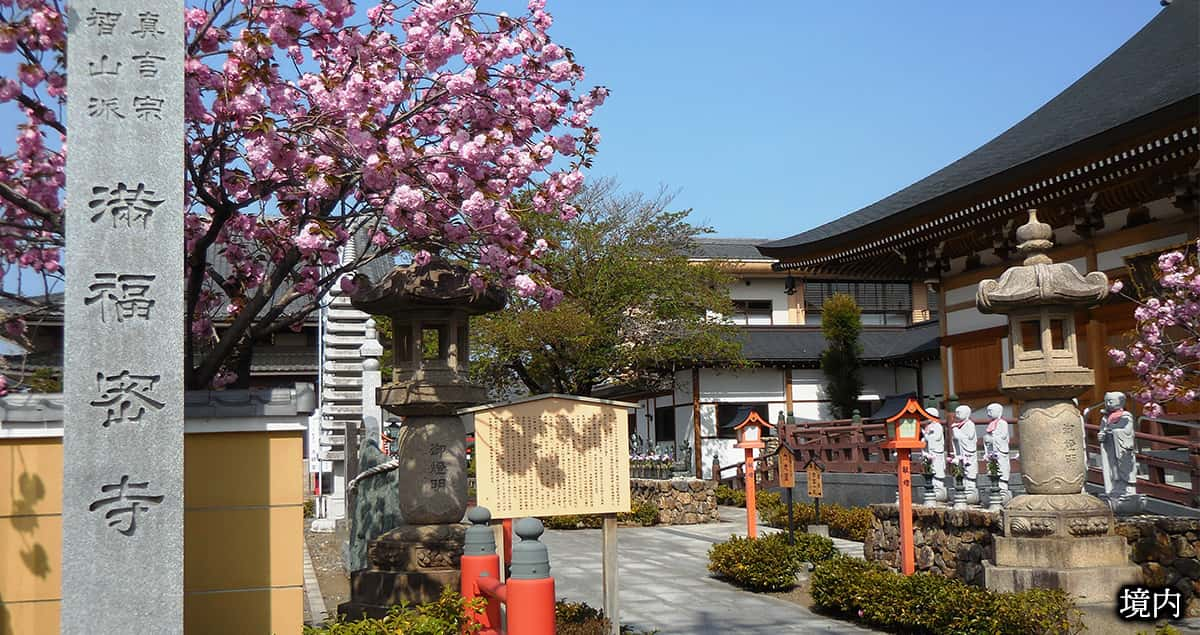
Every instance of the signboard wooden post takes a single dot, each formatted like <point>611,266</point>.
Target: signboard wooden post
<point>787,480</point>
<point>815,488</point>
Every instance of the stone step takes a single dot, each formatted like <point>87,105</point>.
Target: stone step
<point>346,315</point>
<point>345,327</point>
<point>343,354</point>
<point>342,409</point>
<point>332,455</point>
<point>333,426</point>
<point>333,440</point>
<point>345,368</point>
<point>344,341</point>
<point>342,381</point>
<point>338,396</point>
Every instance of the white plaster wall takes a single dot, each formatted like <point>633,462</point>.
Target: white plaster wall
<point>763,289</point>
<point>708,420</point>
<point>970,319</point>
<point>1114,258</point>
<point>747,385</point>
<point>683,425</point>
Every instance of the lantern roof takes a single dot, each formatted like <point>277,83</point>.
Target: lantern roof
<point>1039,281</point>
<point>437,284</point>
<point>754,419</point>
<point>897,406</point>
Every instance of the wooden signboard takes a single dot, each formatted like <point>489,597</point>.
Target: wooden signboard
<point>815,489</point>
<point>787,468</point>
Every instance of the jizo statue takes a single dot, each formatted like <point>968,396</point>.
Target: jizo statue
<point>996,440</point>
<point>935,447</point>
<point>1117,449</point>
<point>966,446</point>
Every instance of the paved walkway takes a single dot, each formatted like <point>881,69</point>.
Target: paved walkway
<point>665,583</point>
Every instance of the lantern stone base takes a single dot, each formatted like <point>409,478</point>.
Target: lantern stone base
<point>1090,585</point>
<point>1061,541</point>
<point>1065,515</point>
<point>1062,553</point>
<point>411,563</point>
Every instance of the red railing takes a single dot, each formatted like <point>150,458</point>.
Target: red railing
<point>846,446</point>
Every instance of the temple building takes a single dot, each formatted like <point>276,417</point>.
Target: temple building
<point>1111,163</point>
<point>780,328</point>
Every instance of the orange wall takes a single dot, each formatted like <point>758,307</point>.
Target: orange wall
<point>243,527</point>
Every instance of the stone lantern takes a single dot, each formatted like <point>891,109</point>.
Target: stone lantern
<point>1054,535</point>
<point>430,306</point>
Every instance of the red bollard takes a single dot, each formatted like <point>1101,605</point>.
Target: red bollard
<point>530,599</point>
<point>480,559</point>
<point>530,606</point>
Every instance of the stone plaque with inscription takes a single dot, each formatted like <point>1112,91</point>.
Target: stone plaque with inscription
<point>123,366</point>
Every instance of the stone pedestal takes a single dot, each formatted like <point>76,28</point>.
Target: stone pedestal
<point>411,563</point>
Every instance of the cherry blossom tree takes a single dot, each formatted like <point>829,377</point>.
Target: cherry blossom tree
<point>1164,352</point>
<point>412,124</point>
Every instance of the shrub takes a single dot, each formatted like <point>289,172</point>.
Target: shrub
<point>447,614</point>
<point>577,618</point>
<point>755,564</point>
<point>561,522</point>
<point>643,512</point>
<point>852,523</point>
<point>928,603</point>
<point>726,495</point>
<point>767,503</point>
<point>768,563</point>
<point>310,508</point>
<point>812,548</point>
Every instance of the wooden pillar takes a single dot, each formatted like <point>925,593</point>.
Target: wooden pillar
<point>787,391</point>
<point>1097,335</point>
<point>907,555</point>
<point>696,423</point>
<point>751,510</point>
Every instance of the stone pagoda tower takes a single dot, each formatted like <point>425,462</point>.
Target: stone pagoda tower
<point>1054,536</point>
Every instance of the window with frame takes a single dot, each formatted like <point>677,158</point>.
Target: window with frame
<point>882,303</point>
<point>664,424</point>
<point>752,312</point>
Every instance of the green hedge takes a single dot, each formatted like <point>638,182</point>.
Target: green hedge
<point>642,512</point>
<point>768,563</point>
<point>445,615</point>
<point>852,523</point>
<point>726,495</point>
<point>927,603</point>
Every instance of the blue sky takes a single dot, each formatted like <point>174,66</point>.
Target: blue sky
<point>770,118</point>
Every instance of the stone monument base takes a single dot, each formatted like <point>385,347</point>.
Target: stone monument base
<point>1061,541</point>
<point>411,563</point>
<point>1089,585</point>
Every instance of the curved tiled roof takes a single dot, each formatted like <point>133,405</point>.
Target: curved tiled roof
<point>1157,69</point>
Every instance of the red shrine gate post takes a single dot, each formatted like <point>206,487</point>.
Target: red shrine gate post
<point>903,435</point>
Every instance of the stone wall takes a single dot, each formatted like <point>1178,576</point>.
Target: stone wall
<point>1167,550</point>
<point>679,501</point>
<point>955,543</point>
<point>949,542</point>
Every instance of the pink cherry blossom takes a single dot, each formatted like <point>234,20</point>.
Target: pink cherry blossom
<point>1164,347</point>
<point>305,125</point>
